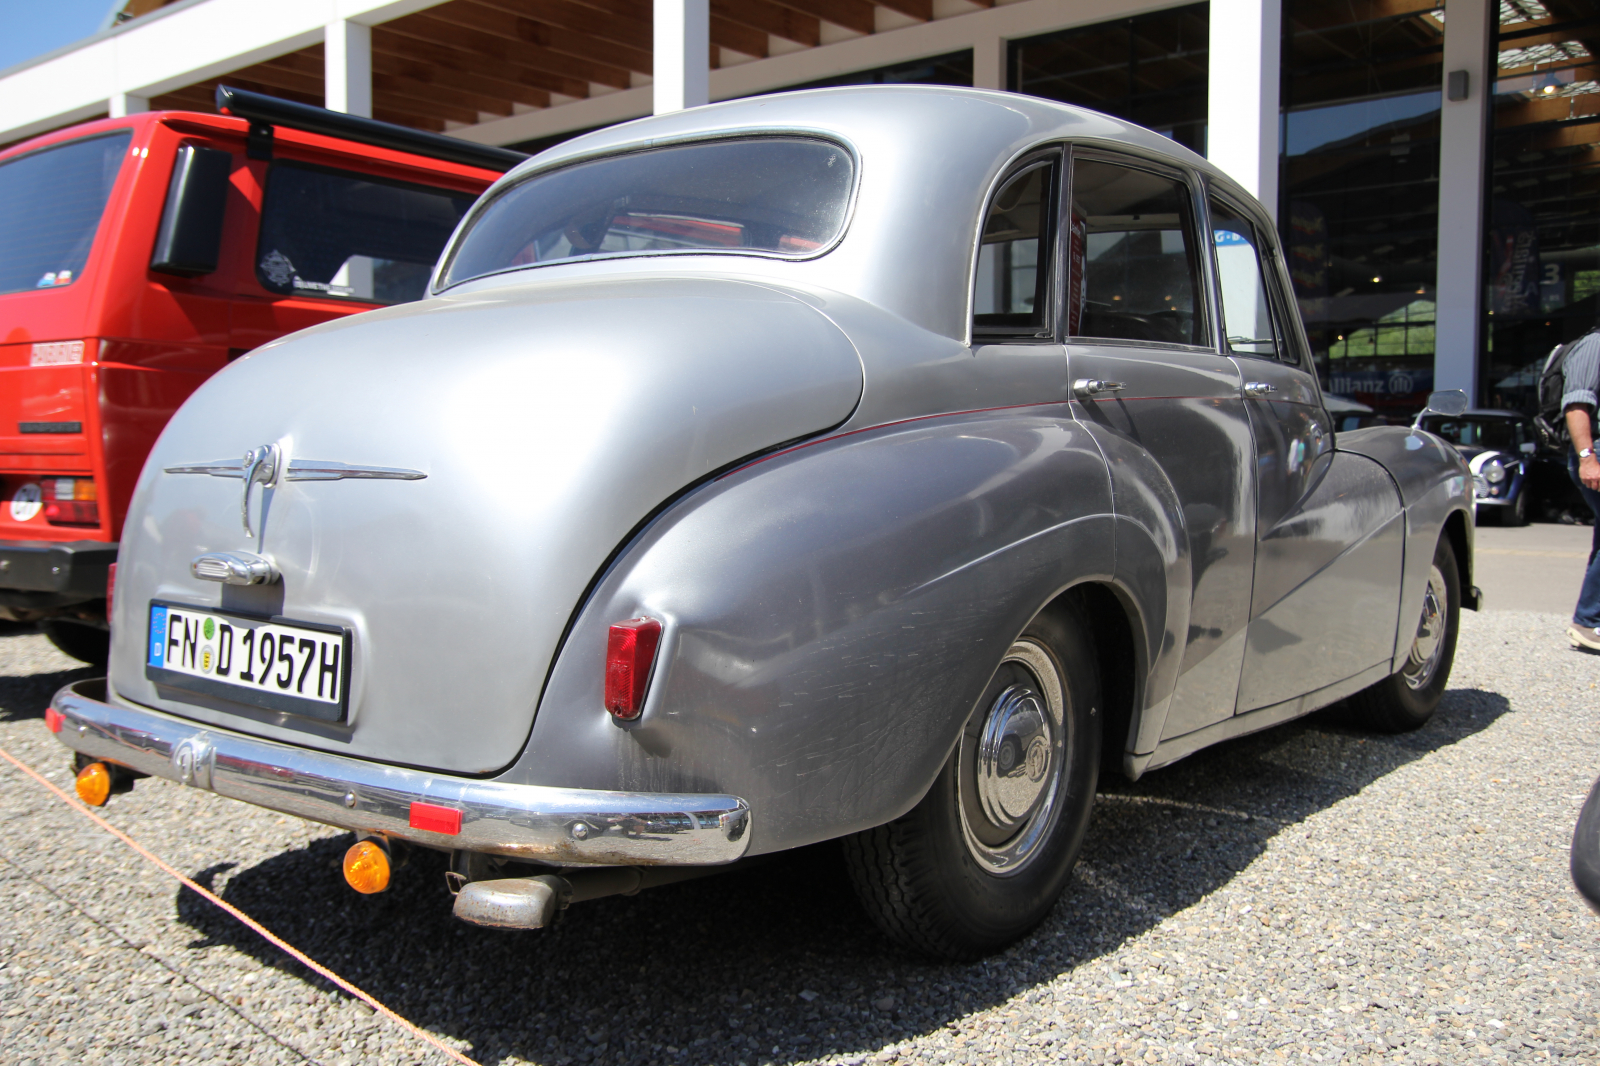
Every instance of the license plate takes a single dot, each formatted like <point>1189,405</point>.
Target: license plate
<point>296,667</point>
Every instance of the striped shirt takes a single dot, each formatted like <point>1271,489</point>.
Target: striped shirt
<point>1581,375</point>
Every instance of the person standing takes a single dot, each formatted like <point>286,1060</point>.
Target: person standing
<point>1579,399</point>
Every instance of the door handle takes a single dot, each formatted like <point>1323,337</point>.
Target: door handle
<point>1259,389</point>
<point>1087,387</point>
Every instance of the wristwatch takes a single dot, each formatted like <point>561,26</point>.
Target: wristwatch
<point>1585,453</point>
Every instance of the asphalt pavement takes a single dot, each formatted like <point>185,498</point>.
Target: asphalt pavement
<point>1308,894</point>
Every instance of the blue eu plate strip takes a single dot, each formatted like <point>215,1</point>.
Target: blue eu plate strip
<point>158,636</point>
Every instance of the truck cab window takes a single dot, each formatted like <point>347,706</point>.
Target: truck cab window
<point>53,202</point>
<point>334,233</point>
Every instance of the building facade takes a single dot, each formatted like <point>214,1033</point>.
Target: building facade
<point>1433,166</point>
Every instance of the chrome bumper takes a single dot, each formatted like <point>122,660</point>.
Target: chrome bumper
<point>560,826</point>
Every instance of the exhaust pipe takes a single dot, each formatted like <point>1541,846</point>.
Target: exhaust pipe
<point>534,902</point>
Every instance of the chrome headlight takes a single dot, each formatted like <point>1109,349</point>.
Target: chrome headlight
<point>1494,471</point>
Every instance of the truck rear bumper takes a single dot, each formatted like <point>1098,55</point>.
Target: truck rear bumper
<point>559,826</point>
<point>68,571</point>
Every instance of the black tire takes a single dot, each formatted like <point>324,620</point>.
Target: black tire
<point>927,879</point>
<point>84,642</point>
<point>1406,699</point>
<point>1517,513</point>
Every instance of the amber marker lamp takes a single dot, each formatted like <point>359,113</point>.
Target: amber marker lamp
<point>366,867</point>
<point>94,784</point>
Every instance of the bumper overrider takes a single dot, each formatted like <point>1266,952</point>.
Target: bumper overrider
<point>558,826</point>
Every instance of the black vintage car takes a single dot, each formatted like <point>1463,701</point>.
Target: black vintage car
<point>1516,475</point>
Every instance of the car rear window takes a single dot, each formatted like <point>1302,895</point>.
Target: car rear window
<point>351,236</point>
<point>780,196</point>
<point>50,207</point>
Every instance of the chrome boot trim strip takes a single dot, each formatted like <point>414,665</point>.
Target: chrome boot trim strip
<point>305,470</point>
<point>561,826</point>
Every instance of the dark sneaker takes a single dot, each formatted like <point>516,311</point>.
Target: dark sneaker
<point>1584,638</point>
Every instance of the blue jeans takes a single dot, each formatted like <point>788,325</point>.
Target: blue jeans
<point>1587,613</point>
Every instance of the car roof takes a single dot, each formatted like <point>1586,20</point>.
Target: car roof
<point>928,156</point>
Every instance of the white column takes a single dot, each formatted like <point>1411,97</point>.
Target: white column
<point>1242,124</point>
<point>1463,136</point>
<point>989,54</point>
<point>121,105</point>
<point>682,69</point>
<point>347,68</point>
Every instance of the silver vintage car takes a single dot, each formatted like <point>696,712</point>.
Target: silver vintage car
<point>872,464</point>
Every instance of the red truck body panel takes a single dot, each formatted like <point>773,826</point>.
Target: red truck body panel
<point>91,371</point>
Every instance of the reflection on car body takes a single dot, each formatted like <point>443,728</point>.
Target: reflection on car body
<point>818,482</point>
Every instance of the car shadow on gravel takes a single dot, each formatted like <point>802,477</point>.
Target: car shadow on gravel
<point>24,696</point>
<point>777,963</point>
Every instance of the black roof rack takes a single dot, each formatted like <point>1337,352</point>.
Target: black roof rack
<point>265,111</point>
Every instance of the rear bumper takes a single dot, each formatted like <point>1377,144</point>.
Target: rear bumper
<point>559,826</point>
<point>72,570</point>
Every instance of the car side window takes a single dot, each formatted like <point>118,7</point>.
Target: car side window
<point>1134,258</point>
<point>1013,276</point>
<point>1242,279</point>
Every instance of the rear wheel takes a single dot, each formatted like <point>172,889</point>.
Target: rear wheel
<point>982,859</point>
<point>87,643</point>
<point>1405,700</point>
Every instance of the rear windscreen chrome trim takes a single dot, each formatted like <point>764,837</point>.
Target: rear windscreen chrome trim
<point>516,180</point>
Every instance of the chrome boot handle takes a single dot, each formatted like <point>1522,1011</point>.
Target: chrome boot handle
<point>1259,389</point>
<point>1095,386</point>
<point>260,464</point>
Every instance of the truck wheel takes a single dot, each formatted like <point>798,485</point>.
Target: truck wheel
<point>88,643</point>
<point>1405,700</point>
<point>982,859</point>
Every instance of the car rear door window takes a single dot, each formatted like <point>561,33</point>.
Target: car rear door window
<point>1013,275</point>
<point>1134,258</point>
<point>340,234</point>
<point>50,207</point>
<point>1242,281</point>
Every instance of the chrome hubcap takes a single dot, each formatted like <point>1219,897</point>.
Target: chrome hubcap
<point>1423,662</point>
<point>1011,762</point>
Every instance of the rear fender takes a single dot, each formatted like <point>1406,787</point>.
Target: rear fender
<point>831,614</point>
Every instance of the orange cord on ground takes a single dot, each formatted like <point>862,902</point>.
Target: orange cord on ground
<point>272,938</point>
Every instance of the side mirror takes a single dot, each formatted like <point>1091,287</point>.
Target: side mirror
<point>1447,402</point>
<point>1528,448</point>
<point>189,242</point>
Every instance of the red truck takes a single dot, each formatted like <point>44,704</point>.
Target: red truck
<point>139,256</point>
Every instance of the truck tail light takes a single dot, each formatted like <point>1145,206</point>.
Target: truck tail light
<point>70,501</point>
<point>630,652</point>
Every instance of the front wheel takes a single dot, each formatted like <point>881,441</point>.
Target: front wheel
<point>982,859</point>
<point>1406,700</point>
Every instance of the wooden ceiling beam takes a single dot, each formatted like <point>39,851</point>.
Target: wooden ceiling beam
<point>632,33</point>
<point>428,94</point>
<point>921,10</point>
<point>766,17</point>
<point>601,55</point>
<point>851,14</point>
<point>420,70</point>
<point>539,67</point>
<point>739,38</point>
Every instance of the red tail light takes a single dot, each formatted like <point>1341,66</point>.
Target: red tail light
<point>630,652</point>
<point>111,587</point>
<point>53,720</point>
<point>70,501</point>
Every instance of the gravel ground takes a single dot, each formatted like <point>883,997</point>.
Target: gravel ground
<point>1310,894</point>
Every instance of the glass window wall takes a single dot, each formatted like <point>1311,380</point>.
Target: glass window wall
<point>1359,206</point>
<point>1542,230</point>
<point>1151,69</point>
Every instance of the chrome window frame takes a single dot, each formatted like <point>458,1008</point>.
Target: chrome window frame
<point>1039,155</point>
<point>436,284</point>
<point>1206,291</point>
